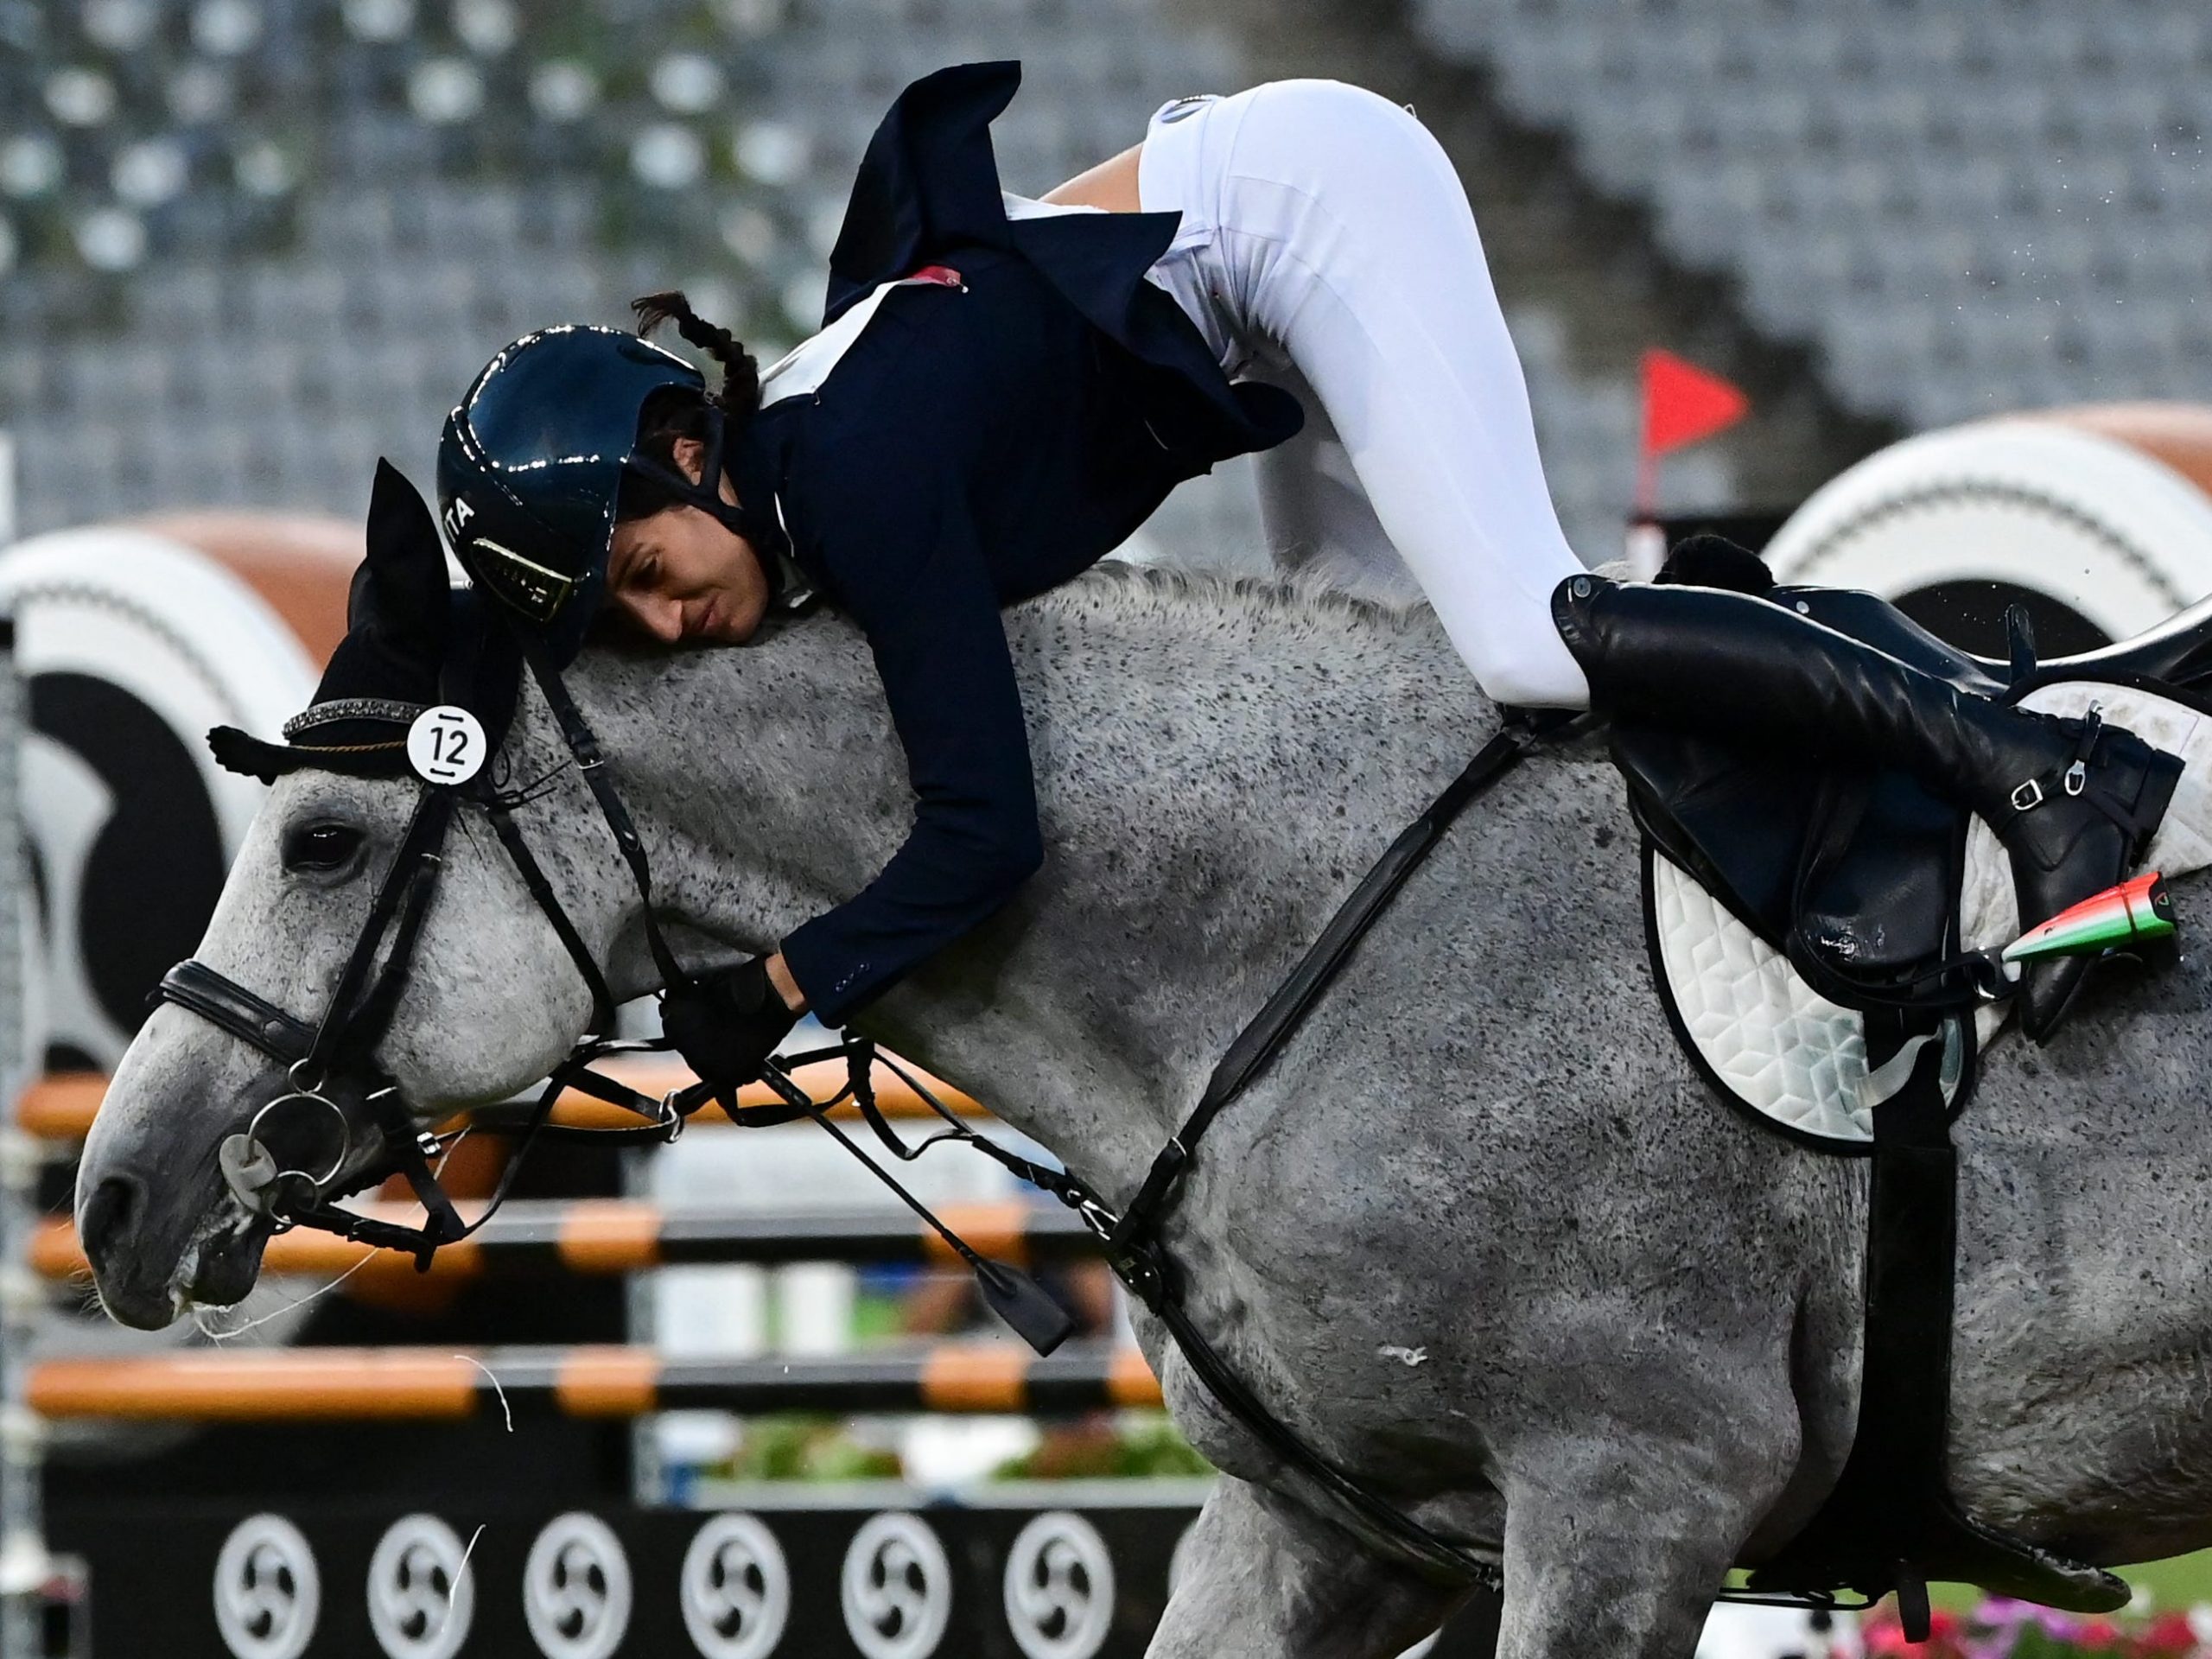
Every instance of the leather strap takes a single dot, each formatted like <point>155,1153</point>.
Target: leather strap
<point>591,762</point>
<point>1438,1558</point>
<point>224,1003</point>
<point>1133,1246</point>
<point>1282,1012</point>
<point>406,886</point>
<point>2020,643</point>
<point>533,877</point>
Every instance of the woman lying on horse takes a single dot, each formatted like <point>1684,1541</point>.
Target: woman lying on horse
<point>1004,391</point>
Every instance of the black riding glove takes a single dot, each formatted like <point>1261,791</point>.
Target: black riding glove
<point>727,1024</point>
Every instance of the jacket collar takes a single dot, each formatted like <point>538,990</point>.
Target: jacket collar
<point>928,182</point>
<point>929,186</point>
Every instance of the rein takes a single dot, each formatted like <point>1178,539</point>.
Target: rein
<point>361,1006</point>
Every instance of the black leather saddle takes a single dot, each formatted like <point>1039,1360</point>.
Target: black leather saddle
<point>1854,872</point>
<point>1854,875</point>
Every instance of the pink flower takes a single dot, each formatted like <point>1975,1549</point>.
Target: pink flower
<point>2098,1634</point>
<point>2169,1635</point>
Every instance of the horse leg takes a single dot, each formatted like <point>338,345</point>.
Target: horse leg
<point>1616,1542</point>
<point>1263,1579</point>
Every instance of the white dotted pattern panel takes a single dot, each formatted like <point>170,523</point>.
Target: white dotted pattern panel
<point>1786,1052</point>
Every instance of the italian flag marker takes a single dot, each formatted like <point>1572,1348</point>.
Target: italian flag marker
<point>2140,909</point>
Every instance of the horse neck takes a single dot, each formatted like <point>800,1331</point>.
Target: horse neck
<point>1216,768</point>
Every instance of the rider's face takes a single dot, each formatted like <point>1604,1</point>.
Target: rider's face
<point>682,576</point>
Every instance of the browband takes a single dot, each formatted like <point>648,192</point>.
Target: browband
<point>326,713</point>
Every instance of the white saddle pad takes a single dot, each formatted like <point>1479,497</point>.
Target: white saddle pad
<point>1789,1055</point>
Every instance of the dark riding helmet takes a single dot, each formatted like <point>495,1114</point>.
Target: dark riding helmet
<point>531,469</point>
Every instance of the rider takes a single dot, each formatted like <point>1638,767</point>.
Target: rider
<point>1000,396</point>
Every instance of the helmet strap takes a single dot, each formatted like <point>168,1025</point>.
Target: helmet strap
<point>761,527</point>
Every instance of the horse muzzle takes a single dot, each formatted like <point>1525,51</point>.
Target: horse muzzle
<point>152,1259</point>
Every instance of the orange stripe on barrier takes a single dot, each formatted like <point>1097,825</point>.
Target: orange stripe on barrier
<point>608,1383</point>
<point>999,1230</point>
<point>55,1252</point>
<point>60,1106</point>
<point>1130,1381</point>
<point>327,1255</point>
<point>975,1377</point>
<point>610,1236</point>
<point>258,1386</point>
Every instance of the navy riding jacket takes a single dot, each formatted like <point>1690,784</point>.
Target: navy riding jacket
<point>976,444</point>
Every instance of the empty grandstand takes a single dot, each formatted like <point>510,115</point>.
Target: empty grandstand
<point>1967,207</point>
<point>248,246</point>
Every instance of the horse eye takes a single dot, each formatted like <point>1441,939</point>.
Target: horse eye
<point>322,847</point>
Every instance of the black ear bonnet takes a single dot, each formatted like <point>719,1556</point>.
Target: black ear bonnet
<point>412,640</point>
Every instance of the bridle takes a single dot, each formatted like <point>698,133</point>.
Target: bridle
<point>340,1046</point>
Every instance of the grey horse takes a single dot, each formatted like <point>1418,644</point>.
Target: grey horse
<point>1479,1235</point>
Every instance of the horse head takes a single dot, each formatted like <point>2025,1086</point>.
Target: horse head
<point>485,1001</point>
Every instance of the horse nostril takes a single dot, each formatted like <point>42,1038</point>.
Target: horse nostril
<point>106,1218</point>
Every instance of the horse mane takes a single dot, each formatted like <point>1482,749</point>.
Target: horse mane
<point>1306,623</point>
<point>1172,595</point>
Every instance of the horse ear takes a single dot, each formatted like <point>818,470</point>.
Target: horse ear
<point>400,591</point>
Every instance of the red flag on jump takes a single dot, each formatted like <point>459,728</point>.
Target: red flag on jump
<point>1682,404</point>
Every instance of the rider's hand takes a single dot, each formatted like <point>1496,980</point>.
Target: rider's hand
<point>727,1024</point>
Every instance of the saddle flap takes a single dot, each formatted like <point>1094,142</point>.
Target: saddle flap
<point>1877,898</point>
<point>1854,872</point>
<point>1740,826</point>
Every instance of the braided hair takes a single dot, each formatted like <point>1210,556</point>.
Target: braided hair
<point>678,412</point>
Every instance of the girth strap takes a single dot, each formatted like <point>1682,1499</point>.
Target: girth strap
<point>1890,1522</point>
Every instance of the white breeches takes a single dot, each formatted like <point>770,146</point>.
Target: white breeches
<point>1327,246</point>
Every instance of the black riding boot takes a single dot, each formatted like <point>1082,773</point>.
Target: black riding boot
<point>2074,803</point>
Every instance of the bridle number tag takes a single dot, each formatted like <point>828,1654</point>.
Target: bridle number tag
<point>446,745</point>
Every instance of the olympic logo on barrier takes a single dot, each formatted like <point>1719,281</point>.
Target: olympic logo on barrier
<point>575,1590</point>
<point>268,1590</point>
<point>1058,1581</point>
<point>737,1589</point>
<point>421,1591</point>
<point>1059,1588</point>
<point>896,1588</point>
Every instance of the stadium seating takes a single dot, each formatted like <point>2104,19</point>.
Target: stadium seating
<point>247,246</point>
<point>1966,207</point>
